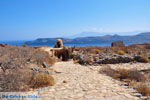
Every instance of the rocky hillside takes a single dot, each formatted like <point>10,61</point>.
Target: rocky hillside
<point>140,38</point>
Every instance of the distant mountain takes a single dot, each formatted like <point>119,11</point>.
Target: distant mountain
<point>140,38</point>
<point>94,34</point>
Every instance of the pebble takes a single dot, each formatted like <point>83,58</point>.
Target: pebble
<point>137,94</point>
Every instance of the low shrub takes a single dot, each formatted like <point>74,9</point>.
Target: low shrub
<point>117,74</point>
<point>108,71</point>
<point>42,80</point>
<point>16,74</point>
<point>133,78</point>
<point>19,57</point>
<point>94,51</point>
<point>23,79</point>
<point>120,52</point>
<point>136,75</point>
<point>76,61</point>
<point>39,57</point>
<point>142,58</point>
<point>15,80</point>
<point>143,89</point>
<point>122,74</point>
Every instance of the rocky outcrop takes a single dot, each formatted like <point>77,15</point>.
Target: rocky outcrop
<point>95,59</point>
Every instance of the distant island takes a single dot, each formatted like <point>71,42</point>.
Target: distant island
<point>140,38</point>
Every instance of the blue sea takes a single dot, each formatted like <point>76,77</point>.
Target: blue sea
<point>19,43</point>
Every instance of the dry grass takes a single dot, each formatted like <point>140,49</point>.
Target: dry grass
<point>114,55</point>
<point>108,71</point>
<point>123,74</point>
<point>134,78</point>
<point>145,59</point>
<point>23,79</point>
<point>18,57</point>
<point>89,49</point>
<point>120,52</point>
<point>117,74</point>
<point>42,80</point>
<point>17,75</point>
<point>40,57</point>
<point>131,49</point>
<point>143,89</point>
<point>75,61</point>
<point>142,58</point>
<point>15,80</point>
<point>94,51</point>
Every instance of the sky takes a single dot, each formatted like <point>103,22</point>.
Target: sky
<point>31,19</point>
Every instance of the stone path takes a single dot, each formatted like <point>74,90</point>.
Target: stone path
<point>76,82</point>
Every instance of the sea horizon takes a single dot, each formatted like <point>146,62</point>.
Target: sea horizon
<point>22,42</point>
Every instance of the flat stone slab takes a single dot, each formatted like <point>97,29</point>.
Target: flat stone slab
<point>76,82</point>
